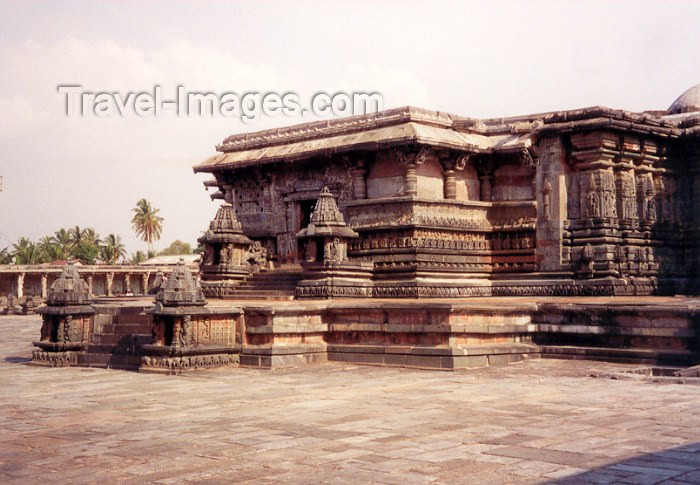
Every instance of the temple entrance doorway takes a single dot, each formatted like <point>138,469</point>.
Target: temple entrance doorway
<point>304,210</point>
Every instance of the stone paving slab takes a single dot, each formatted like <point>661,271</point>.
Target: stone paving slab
<point>538,421</point>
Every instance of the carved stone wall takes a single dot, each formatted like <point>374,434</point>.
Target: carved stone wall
<point>423,213</point>
<point>630,200</point>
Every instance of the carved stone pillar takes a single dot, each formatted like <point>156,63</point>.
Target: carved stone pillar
<point>108,283</point>
<point>44,285</point>
<point>127,283</point>
<point>411,162</point>
<point>20,285</point>
<point>546,199</point>
<point>144,283</point>
<point>450,183</point>
<point>359,184</point>
<point>89,283</point>
<point>177,330</point>
<point>411,180</point>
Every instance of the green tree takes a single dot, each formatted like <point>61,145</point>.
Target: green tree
<point>146,222</point>
<point>177,247</point>
<point>112,249</point>
<point>86,252</point>
<point>85,244</point>
<point>5,256</point>
<point>137,257</point>
<point>25,251</point>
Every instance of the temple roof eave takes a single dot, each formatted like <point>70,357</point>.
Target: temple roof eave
<point>408,125</point>
<point>371,140</point>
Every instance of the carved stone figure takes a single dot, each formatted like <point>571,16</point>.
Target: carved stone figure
<point>586,261</point>
<point>256,256</point>
<point>223,256</point>
<point>185,335</point>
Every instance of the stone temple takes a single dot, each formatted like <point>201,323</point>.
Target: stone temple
<point>423,239</point>
<point>594,201</point>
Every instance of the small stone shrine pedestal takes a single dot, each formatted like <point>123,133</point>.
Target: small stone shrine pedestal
<point>67,321</point>
<point>326,271</point>
<point>186,335</point>
<point>11,308</point>
<point>29,305</point>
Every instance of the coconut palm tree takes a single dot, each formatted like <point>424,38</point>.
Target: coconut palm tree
<point>112,249</point>
<point>146,222</point>
<point>91,236</point>
<point>25,251</point>
<point>76,235</point>
<point>63,239</point>
<point>48,249</point>
<point>137,257</point>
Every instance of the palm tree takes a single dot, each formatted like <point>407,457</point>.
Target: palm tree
<point>146,222</point>
<point>76,235</point>
<point>79,236</point>
<point>25,251</point>
<point>63,239</point>
<point>48,249</point>
<point>90,235</point>
<point>112,249</point>
<point>137,257</point>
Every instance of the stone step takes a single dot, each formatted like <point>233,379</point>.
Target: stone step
<point>112,361</point>
<point>622,355</point>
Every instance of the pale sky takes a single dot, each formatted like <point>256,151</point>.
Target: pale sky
<point>480,59</point>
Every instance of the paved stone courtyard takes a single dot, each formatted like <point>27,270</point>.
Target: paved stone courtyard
<point>533,422</point>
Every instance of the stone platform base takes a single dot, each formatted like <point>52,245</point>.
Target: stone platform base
<point>424,357</point>
<point>444,334</point>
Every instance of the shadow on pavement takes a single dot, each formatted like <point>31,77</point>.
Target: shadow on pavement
<point>678,465</point>
<point>17,360</point>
